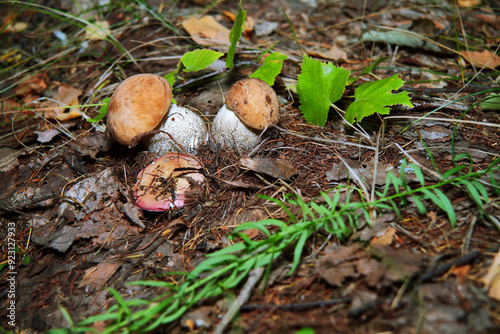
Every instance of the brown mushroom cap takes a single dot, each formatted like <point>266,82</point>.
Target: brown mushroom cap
<point>255,103</point>
<point>137,106</point>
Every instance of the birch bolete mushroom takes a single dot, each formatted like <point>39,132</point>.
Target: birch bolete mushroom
<point>142,104</point>
<point>251,105</point>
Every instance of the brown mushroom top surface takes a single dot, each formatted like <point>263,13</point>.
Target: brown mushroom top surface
<point>137,106</point>
<point>255,103</point>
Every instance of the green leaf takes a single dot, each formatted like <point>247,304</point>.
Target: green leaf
<point>376,97</point>
<point>270,68</point>
<point>319,86</point>
<point>369,69</point>
<point>447,207</point>
<point>200,59</point>
<point>235,35</point>
<point>299,247</point>
<point>491,103</point>
<point>418,174</point>
<point>103,111</point>
<point>171,77</point>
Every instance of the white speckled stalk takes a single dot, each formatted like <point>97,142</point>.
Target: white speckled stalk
<point>230,132</point>
<point>185,127</point>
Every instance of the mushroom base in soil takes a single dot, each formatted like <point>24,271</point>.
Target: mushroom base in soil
<point>182,130</point>
<point>230,132</point>
<point>171,181</point>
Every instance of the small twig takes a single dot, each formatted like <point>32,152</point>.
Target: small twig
<point>297,306</point>
<point>435,175</point>
<point>253,277</point>
<point>331,141</point>
<point>442,269</point>
<point>356,177</point>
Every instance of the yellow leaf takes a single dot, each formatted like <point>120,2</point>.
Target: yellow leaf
<point>98,31</point>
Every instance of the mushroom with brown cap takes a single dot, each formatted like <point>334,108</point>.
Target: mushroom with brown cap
<point>251,105</point>
<point>141,104</point>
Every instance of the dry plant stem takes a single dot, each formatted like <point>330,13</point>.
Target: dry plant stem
<point>356,177</point>
<point>49,60</point>
<point>81,20</point>
<point>470,229</point>
<point>375,167</point>
<point>106,74</point>
<point>253,277</point>
<point>323,140</point>
<point>432,173</point>
<point>359,130</point>
<point>450,120</point>
<point>297,306</point>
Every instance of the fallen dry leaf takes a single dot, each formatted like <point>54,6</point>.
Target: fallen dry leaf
<point>98,31</point>
<point>334,54</point>
<point>34,85</point>
<point>96,277</point>
<point>67,96</point>
<point>340,263</point>
<point>484,58</point>
<point>365,171</point>
<point>384,239</point>
<point>277,168</point>
<point>207,31</point>
<point>492,278</point>
<point>46,136</point>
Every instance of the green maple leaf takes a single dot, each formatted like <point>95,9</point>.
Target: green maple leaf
<point>376,97</point>
<point>319,86</point>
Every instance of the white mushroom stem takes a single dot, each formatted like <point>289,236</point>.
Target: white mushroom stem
<point>230,132</point>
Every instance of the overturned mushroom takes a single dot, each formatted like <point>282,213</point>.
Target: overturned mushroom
<point>171,181</point>
<point>142,104</point>
<point>251,106</point>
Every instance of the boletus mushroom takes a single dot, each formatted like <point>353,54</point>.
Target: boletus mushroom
<point>142,104</point>
<point>251,105</point>
<point>171,181</point>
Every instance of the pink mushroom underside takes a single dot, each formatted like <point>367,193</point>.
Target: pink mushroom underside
<point>163,185</point>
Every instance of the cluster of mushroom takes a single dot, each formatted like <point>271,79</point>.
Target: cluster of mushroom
<point>141,109</point>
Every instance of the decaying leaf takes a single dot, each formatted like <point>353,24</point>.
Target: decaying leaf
<point>492,278</point>
<point>46,136</point>
<point>378,266</point>
<point>207,31</point>
<point>96,277</point>
<point>334,53</point>
<point>485,58</point>
<point>90,192</point>
<point>385,238</point>
<point>365,171</point>
<point>98,31</point>
<point>277,168</point>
